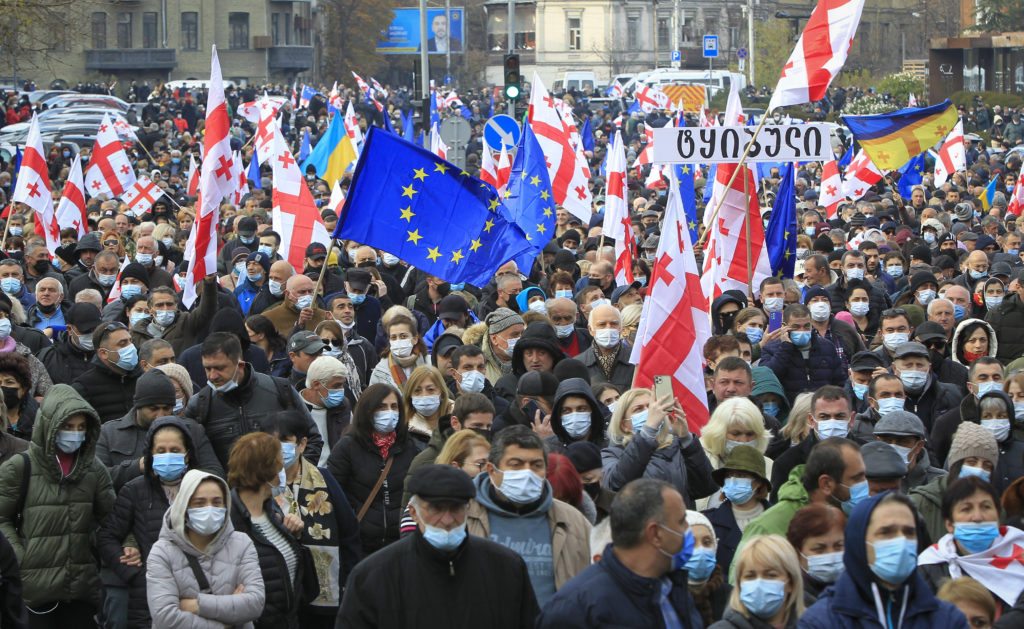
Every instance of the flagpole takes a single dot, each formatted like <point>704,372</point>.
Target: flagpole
<point>746,226</point>
<point>323,268</point>
<point>707,232</point>
<point>3,241</point>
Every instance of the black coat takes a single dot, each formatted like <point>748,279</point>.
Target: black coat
<point>727,530</point>
<point>64,361</point>
<point>1008,322</point>
<point>13,613</point>
<point>111,394</point>
<point>798,374</point>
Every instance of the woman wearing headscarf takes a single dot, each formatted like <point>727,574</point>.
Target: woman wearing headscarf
<point>706,579</point>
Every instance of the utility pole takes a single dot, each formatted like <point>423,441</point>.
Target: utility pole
<point>424,61</point>
<point>675,31</point>
<point>512,50</point>
<point>448,50</point>
<point>654,23</point>
<point>750,43</point>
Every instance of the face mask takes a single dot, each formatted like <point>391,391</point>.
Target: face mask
<point>388,259</point>
<point>206,520</point>
<point>763,597</point>
<point>1000,428</point>
<point>15,230</point>
<point>521,486</point>
<point>701,564</point>
<point>357,299</point>
<point>860,390</point>
<point>993,302</point>
<point>904,452</point>
<point>825,568</point>
<point>970,470</point>
<point>637,420</point>
<point>385,421</point>
<point>334,398</point>
<point>247,241</point>
<point>304,302</point>
<point>770,408</point>
<point>178,405</point>
<point>730,444</point>
<point>975,536</point>
<point>265,250</point>
<point>169,466</point>
<point>800,339</point>
<point>895,270</point>
<point>895,559</point>
<point>986,387</point>
<point>576,424</point>
<point>10,285</point>
<point>755,334</point>
<point>129,291</point>
<point>168,242</point>
<point>801,253</point>
<point>820,311</point>
<point>511,346</point>
<point>832,428</point>
<point>858,493</point>
<point>401,348</point>
<point>70,440</point>
<point>611,407</point>
<point>860,308</point>
<point>165,318</point>
<point>1018,410</point>
<point>472,381</point>
<point>288,453</point>
<point>445,541</point>
<point>607,338</point>
<point>600,302</point>
<point>137,317</point>
<point>958,312</point>
<point>854,274</point>
<point>539,307</point>
<point>890,404</point>
<point>913,380</point>
<point>680,558</point>
<point>127,357</point>
<point>925,296</point>
<point>146,258</point>
<point>255,277</point>
<point>977,275</point>
<point>774,304</point>
<point>739,491</point>
<point>567,294</point>
<point>564,331</point>
<point>107,280</point>
<point>649,257</point>
<point>276,288</point>
<point>929,238</point>
<point>809,231</point>
<point>426,405</point>
<point>240,268</point>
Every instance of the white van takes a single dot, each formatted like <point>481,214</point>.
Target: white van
<point>718,80</point>
<point>580,81</point>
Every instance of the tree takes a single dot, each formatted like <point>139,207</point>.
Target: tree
<point>997,16</point>
<point>352,29</point>
<point>36,32</point>
<point>774,41</point>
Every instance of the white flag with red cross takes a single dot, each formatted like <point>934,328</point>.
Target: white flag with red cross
<point>952,157</point>
<point>488,168</point>
<point>674,323</point>
<point>33,186</point>
<point>650,98</point>
<point>861,174</point>
<point>645,156</point>
<point>616,212</point>
<point>295,216</point>
<point>70,210</point>
<point>265,128</point>
<point>831,190</point>
<point>110,172</point>
<point>437,145</point>
<point>569,184</point>
<point>504,170</point>
<point>352,127</point>
<point>141,195</point>
<point>1016,206</point>
<point>192,187</point>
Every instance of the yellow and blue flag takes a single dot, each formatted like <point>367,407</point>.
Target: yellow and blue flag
<point>411,203</point>
<point>892,139</point>
<point>529,199</point>
<point>333,154</point>
<point>990,194</point>
<point>780,235</point>
<point>911,174</point>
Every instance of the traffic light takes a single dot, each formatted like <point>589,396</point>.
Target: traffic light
<point>513,79</point>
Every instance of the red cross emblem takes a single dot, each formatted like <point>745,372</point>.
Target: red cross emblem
<point>581,192</point>
<point>224,170</point>
<point>831,190</point>
<point>286,160</point>
<point>1003,562</point>
<point>33,189</point>
<point>661,270</point>
<point>125,169</point>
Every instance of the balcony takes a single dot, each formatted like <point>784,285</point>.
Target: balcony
<point>290,58</point>
<point>130,59</point>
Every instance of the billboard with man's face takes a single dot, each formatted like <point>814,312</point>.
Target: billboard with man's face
<point>444,34</point>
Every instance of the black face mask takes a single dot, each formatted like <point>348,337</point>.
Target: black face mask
<point>443,289</point>
<point>593,281</point>
<point>592,489</point>
<point>727,319</point>
<point>935,357</point>
<point>40,266</point>
<point>47,309</point>
<point>11,398</point>
<point>487,434</point>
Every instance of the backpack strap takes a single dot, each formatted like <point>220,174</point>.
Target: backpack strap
<point>197,571</point>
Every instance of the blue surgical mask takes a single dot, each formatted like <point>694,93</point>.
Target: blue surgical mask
<point>169,466</point>
<point>809,231</point>
<point>800,338</point>
<point>825,567</point>
<point>680,558</point>
<point>458,286</point>
<point>925,296</point>
<point>576,424</point>
<point>986,387</point>
<point>993,302</point>
<point>136,317</point>
<point>130,290</point>
<point>334,398</point>
<point>69,441</point>
<point>977,275</point>
<point>895,559</point>
<point>829,428</point>
<point>288,453</point>
<point>860,390</point>
<point>770,408</point>
<point>357,299</point>
<point>639,420</point>
<point>958,312</point>
<point>164,318</point>
<point>975,536</point>
<point>472,381</point>
<point>890,404</point>
<point>980,472</point>
<point>445,541</point>
<point>895,270</point>
<point>266,250</point>
<point>738,491</point>
<point>304,302</point>
<point>206,520</point>
<point>567,294</point>
<point>858,492</point>
<point>701,564</point>
<point>385,422</point>
<point>913,381</point>
<point>127,357</point>
<point>730,444</point>
<point>247,241</point>
<point>929,238</point>
<point>755,334</point>
<point>763,597</point>
<point>254,277</point>
<point>10,285</point>
<point>145,259</point>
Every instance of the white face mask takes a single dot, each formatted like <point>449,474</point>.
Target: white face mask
<point>607,338</point>
<point>426,405</point>
<point>820,311</point>
<point>401,348</point>
<point>576,424</point>
<point>539,307</point>
<point>472,381</point>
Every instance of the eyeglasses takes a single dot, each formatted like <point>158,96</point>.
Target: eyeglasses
<point>894,312</point>
<point>335,342</point>
<point>110,243</point>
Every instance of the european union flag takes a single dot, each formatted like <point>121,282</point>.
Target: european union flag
<point>407,126</point>
<point>847,157</point>
<point>684,176</point>
<point>304,148</point>
<point>709,185</point>
<point>587,135</point>
<point>911,174</point>
<point>529,198</point>
<point>435,106</point>
<point>413,204</point>
<point>780,235</point>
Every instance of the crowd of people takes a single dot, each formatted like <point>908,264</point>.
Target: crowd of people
<point>394,450</point>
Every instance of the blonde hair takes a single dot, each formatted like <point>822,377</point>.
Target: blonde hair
<point>967,589</point>
<point>615,432</point>
<point>631,315</point>
<point>736,410</point>
<point>459,446</point>
<point>416,378</point>
<point>796,427</point>
<point>773,551</point>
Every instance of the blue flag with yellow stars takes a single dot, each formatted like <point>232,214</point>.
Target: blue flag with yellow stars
<point>780,235</point>
<point>684,175</point>
<point>529,198</point>
<point>412,204</point>
<point>911,174</point>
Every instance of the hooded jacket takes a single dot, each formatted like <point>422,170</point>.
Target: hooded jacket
<point>1011,449</point>
<point>63,360</point>
<point>798,374</point>
<point>956,345</point>
<point>537,335</point>
<point>725,298</point>
<point>851,603</point>
<point>577,387</point>
<point>60,512</point>
<point>765,381</point>
<point>228,561</point>
<point>1007,320</point>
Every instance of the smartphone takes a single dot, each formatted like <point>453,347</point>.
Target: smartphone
<point>530,411</point>
<point>774,321</point>
<point>662,387</point>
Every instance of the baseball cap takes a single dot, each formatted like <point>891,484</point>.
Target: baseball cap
<point>316,251</point>
<point>305,341</point>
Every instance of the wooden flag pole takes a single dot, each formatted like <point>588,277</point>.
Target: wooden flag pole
<point>323,270</point>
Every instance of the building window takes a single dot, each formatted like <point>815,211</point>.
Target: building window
<point>687,27</point>
<point>288,29</point>
<point>99,30</point>
<point>633,32</point>
<point>239,25</point>
<point>664,29</point>
<point>190,30</point>
<point>149,37</point>
<point>124,30</point>
<point>575,38</point>
<point>275,28</point>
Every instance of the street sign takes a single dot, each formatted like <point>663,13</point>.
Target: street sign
<point>742,53</point>
<point>742,64</point>
<point>456,132</point>
<point>502,130</point>
<point>710,46</point>
<point>710,145</point>
<point>677,55</point>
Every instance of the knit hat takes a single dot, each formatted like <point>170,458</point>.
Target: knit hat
<point>180,375</point>
<point>502,319</point>
<point>154,387</point>
<point>694,518</point>
<point>585,456</point>
<point>139,272</point>
<point>823,244</point>
<point>973,440</point>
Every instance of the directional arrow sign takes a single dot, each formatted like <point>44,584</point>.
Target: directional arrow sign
<point>502,130</point>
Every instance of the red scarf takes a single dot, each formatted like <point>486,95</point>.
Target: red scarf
<point>970,357</point>
<point>384,443</point>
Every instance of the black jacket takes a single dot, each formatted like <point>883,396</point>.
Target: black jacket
<point>798,374</point>
<point>480,584</point>
<point>13,613</point>
<point>63,360</point>
<point>1008,322</point>
<point>727,530</point>
<point>797,455</point>
<point>111,394</point>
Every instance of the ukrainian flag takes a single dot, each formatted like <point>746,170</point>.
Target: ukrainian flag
<point>990,193</point>
<point>333,154</point>
<point>891,140</point>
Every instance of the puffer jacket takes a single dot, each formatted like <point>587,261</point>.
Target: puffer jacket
<point>53,544</point>
<point>112,394</point>
<point>139,511</point>
<point>186,327</point>
<point>357,464</point>
<point>64,361</point>
<point>1007,320</point>
<point>229,560</point>
<point>928,500</point>
<point>577,387</point>
<point>683,464</point>
<point>798,374</point>
<point>956,345</point>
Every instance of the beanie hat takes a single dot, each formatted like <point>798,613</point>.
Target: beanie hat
<point>585,456</point>
<point>823,244</point>
<point>501,319</point>
<point>140,273</point>
<point>154,387</point>
<point>973,440</point>
<point>180,375</point>
<point>694,518</point>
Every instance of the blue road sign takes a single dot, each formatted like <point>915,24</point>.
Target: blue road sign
<point>677,55</point>
<point>502,130</point>
<point>710,45</point>
<point>742,53</point>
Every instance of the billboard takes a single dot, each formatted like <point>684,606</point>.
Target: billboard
<point>443,34</point>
